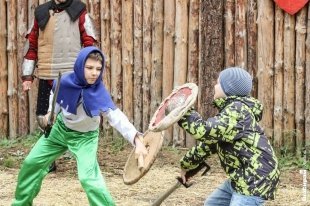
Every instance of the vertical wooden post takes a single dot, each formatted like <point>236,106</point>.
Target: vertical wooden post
<point>265,58</point>
<point>33,93</point>
<point>105,31</point>
<point>278,79</point>
<point>94,12</point>
<point>127,57</point>
<point>105,27</point>
<point>3,73</point>
<point>116,56</point>
<point>240,34</point>
<point>251,28</point>
<point>138,64</point>
<point>289,82</point>
<point>168,62</point>
<point>147,61</point>
<point>307,84</point>
<point>12,69</point>
<point>22,22</point>
<point>157,54</point>
<point>193,52</point>
<point>229,15</point>
<point>300,61</point>
<point>180,57</point>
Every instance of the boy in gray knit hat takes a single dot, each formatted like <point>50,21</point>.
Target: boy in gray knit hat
<point>245,152</point>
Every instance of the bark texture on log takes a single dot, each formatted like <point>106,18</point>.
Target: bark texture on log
<point>3,73</point>
<point>278,79</point>
<point>12,69</point>
<point>265,58</point>
<point>289,82</point>
<point>300,62</point>
<point>307,83</point>
<point>138,64</point>
<point>229,14</point>
<point>127,58</point>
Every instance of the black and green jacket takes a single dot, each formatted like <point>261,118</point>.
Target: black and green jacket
<point>234,134</point>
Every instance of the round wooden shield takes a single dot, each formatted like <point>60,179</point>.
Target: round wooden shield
<point>153,142</point>
<point>184,96</point>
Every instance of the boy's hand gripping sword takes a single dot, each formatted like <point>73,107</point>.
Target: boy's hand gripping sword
<point>50,120</point>
<point>179,182</point>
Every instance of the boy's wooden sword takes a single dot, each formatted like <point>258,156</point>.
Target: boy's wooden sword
<point>50,120</point>
<point>179,182</point>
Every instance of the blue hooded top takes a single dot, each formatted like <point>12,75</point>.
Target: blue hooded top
<point>73,87</point>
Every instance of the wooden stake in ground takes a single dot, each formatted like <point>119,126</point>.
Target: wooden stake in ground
<point>251,28</point>
<point>240,34</point>
<point>193,53</point>
<point>116,55</point>
<point>22,22</point>
<point>300,61</point>
<point>229,14</point>
<point>12,69</point>
<point>265,57</point>
<point>127,58</point>
<point>147,61</point>
<point>278,80</point>
<point>33,93</point>
<point>168,62</point>
<point>180,58</point>
<point>307,84</point>
<point>138,64</point>
<point>289,82</point>
<point>3,73</point>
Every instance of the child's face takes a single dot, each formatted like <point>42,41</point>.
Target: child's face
<point>218,91</point>
<point>92,70</point>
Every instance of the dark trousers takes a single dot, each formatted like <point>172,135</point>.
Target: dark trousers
<point>45,87</point>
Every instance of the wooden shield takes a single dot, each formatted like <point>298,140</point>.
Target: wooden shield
<point>291,6</point>
<point>187,93</point>
<point>153,142</point>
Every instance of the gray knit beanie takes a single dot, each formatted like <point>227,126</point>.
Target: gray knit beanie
<point>235,81</point>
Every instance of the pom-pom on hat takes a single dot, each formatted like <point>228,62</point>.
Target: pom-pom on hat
<point>235,81</point>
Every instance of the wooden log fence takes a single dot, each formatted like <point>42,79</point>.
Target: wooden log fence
<point>152,46</point>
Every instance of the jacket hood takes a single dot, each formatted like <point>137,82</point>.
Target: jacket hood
<point>254,104</point>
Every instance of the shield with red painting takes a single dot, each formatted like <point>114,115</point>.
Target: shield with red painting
<point>291,6</point>
<point>174,107</point>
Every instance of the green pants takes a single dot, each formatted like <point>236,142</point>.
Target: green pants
<point>84,148</point>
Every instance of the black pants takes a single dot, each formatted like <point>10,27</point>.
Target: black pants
<point>43,96</point>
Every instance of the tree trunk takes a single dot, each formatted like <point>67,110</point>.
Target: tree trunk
<point>301,29</point>
<point>127,57</point>
<point>12,69</point>
<point>180,58</point>
<point>116,56</point>
<point>307,83</point>
<point>240,34</point>
<point>147,61</point>
<point>229,33</point>
<point>278,79</point>
<point>3,73</point>
<point>33,93</point>
<point>289,85</point>
<point>252,42</point>
<point>22,21</point>
<point>265,48</point>
<point>138,64</point>
<point>211,53</point>
<point>193,53</point>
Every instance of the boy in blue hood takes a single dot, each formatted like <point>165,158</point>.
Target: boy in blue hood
<point>234,134</point>
<point>82,98</point>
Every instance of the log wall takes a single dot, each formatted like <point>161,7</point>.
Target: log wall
<point>151,46</point>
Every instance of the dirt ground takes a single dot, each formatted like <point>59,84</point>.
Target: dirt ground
<point>63,188</point>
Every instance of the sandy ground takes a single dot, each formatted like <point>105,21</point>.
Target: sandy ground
<point>63,188</point>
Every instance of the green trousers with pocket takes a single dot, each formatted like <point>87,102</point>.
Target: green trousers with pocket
<point>83,146</point>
